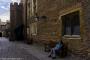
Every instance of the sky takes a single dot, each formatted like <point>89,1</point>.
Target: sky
<point>5,9</point>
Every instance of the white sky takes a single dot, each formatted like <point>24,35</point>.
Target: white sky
<point>5,9</point>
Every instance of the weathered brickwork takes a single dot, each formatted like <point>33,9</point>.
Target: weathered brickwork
<point>87,22</point>
<point>51,28</point>
<point>51,9</point>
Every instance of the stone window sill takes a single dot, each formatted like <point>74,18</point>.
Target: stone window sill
<point>72,36</point>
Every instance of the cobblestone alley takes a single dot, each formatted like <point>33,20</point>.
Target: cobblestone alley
<point>11,51</point>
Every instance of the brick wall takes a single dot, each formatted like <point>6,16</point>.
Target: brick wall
<point>86,7</point>
<point>52,9</point>
<point>50,29</point>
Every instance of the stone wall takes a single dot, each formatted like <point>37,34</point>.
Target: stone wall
<point>16,18</point>
<point>86,6</point>
<point>51,28</point>
<point>51,9</point>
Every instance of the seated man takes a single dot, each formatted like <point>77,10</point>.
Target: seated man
<point>56,49</point>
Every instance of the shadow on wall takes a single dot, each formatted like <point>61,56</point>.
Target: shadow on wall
<point>19,32</point>
<point>0,34</point>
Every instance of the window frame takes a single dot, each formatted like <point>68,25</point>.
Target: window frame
<point>70,10</point>
<point>69,23</point>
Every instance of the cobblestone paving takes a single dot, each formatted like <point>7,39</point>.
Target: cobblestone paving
<point>11,51</point>
<point>21,51</point>
<point>38,51</point>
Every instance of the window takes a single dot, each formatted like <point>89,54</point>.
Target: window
<point>71,24</point>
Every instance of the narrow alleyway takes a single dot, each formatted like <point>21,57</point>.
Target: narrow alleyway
<point>20,51</point>
<point>11,51</point>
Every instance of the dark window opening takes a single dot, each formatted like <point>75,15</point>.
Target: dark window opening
<point>0,34</point>
<point>71,24</point>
